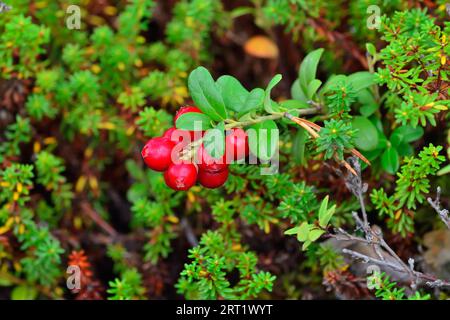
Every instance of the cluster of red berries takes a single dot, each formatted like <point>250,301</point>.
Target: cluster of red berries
<point>160,154</point>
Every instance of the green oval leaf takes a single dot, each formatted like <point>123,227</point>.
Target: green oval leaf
<point>214,141</point>
<point>306,244</point>
<point>254,101</point>
<point>193,121</point>
<point>206,95</point>
<point>404,149</point>
<point>371,49</point>
<point>315,234</point>
<point>406,134</point>
<point>313,86</point>
<point>366,137</point>
<point>303,231</point>
<point>263,139</point>
<point>294,104</point>
<point>268,106</point>
<point>361,80</point>
<point>233,93</point>
<point>24,292</point>
<point>297,92</point>
<point>292,231</point>
<point>369,105</point>
<point>325,213</point>
<point>390,160</point>
<point>308,68</point>
<point>443,171</point>
<point>298,146</point>
<point>332,81</point>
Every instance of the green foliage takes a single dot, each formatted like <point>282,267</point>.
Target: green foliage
<point>16,183</point>
<point>414,65</point>
<point>132,98</point>
<point>27,39</point>
<point>298,203</point>
<point>24,293</point>
<point>340,97</point>
<point>43,262</point>
<point>154,212</point>
<point>412,185</point>
<point>49,170</point>
<point>15,134</point>
<point>127,287</point>
<point>118,255</point>
<point>367,135</point>
<point>192,22</point>
<point>335,138</point>
<point>206,94</point>
<point>387,290</point>
<point>310,232</point>
<point>77,106</point>
<point>307,85</point>
<point>329,258</point>
<point>152,122</point>
<point>39,107</point>
<point>206,276</point>
<point>413,182</point>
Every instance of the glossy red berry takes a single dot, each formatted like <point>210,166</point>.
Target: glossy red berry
<point>209,163</point>
<point>212,179</point>
<point>188,109</point>
<point>181,176</point>
<point>236,144</point>
<point>176,135</point>
<point>168,133</point>
<point>157,153</point>
<point>184,110</point>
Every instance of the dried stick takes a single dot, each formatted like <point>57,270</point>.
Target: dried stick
<point>190,236</point>
<point>374,237</point>
<point>443,213</point>
<point>91,213</point>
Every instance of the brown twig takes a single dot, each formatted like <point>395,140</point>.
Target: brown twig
<point>334,36</point>
<point>91,213</point>
<point>375,238</point>
<point>443,213</point>
<point>314,129</point>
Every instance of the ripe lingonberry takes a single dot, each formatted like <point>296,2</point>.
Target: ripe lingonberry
<point>181,176</point>
<point>157,153</point>
<point>184,110</point>
<point>236,144</point>
<point>176,135</point>
<point>168,133</point>
<point>212,179</point>
<point>209,163</point>
<point>188,109</point>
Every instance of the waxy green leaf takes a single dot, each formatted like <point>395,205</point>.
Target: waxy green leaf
<point>193,121</point>
<point>206,95</point>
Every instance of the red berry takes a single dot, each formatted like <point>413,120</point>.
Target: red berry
<point>209,163</point>
<point>181,176</point>
<point>184,110</point>
<point>176,135</point>
<point>168,133</point>
<point>212,179</point>
<point>236,144</point>
<point>157,153</point>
